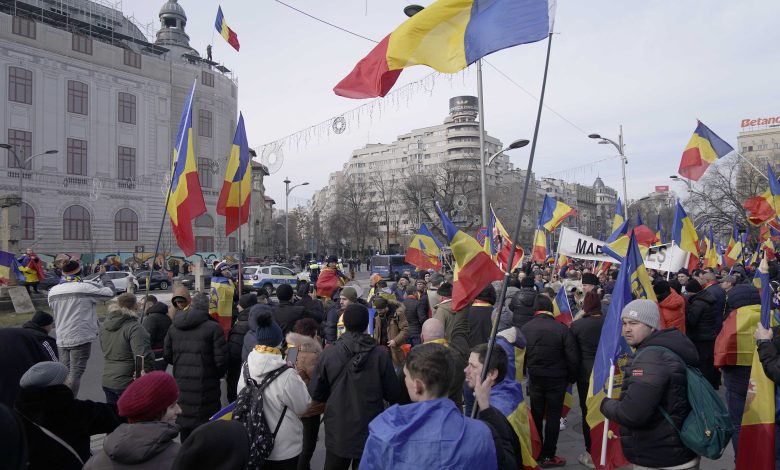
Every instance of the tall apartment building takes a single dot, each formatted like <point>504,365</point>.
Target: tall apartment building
<point>80,78</point>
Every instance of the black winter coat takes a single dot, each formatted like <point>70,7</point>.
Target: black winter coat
<point>769,353</point>
<point>550,349</point>
<point>354,378</point>
<point>741,295</point>
<point>654,379</point>
<point>331,323</point>
<point>480,323</point>
<point>586,332</point>
<point>313,307</point>
<point>235,341</point>
<point>720,305</point>
<point>48,343</point>
<point>156,322</point>
<point>73,421</point>
<point>195,345</point>
<point>700,313</point>
<point>20,349</point>
<point>522,306</point>
<point>411,304</point>
<point>286,314</point>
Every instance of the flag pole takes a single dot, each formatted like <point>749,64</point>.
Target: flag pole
<point>482,161</point>
<point>605,435</point>
<point>240,279</point>
<point>520,214</point>
<point>157,246</point>
<point>746,160</point>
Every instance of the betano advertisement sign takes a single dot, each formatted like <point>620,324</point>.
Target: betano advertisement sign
<point>761,122</point>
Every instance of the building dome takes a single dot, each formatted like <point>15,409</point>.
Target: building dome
<point>172,7</point>
<point>171,34</point>
<point>598,184</point>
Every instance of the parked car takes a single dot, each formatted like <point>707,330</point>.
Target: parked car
<point>270,277</point>
<point>121,280</point>
<point>157,281</point>
<point>188,281</point>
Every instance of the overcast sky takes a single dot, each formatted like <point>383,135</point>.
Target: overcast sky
<point>653,66</point>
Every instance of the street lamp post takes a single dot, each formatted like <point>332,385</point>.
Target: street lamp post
<point>21,164</point>
<point>623,160</point>
<point>287,190</point>
<point>484,164</point>
<point>687,182</point>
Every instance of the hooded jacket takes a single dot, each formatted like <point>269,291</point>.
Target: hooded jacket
<point>20,349</point>
<point>156,321</point>
<point>195,345</point>
<point>286,314</point>
<point>73,421</point>
<point>286,390</point>
<point>700,316</point>
<point>428,434</point>
<point>73,307</point>
<point>741,295</point>
<point>139,446</point>
<point>235,342</point>
<point>309,351</point>
<point>653,379</point>
<point>250,336</point>
<point>122,338</point>
<point>522,306</point>
<point>359,376</point>
<point>672,310</point>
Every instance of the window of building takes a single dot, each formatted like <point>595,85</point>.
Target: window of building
<point>207,78</point>
<point>78,97</point>
<point>204,244</point>
<point>77,157</point>
<point>204,221</point>
<point>21,141</point>
<point>76,224</point>
<point>204,172</point>
<point>27,215</point>
<point>204,123</point>
<point>126,225</point>
<point>132,58</point>
<point>82,44</point>
<point>23,27</point>
<point>232,244</point>
<point>126,156</point>
<point>20,83</point>
<point>126,108</point>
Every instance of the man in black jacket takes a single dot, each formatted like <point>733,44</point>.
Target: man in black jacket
<point>157,322</point>
<point>700,326</point>
<point>551,358</point>
<point>654,379</point>
<point>235,343</point>
<point>522,304</point>
<point>354,378</point>
<point>286,314</point>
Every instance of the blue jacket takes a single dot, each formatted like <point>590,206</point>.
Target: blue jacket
<point>428,434</point>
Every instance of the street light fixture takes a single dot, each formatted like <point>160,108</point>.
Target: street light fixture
<point>514,145</point>
<point>22,164</point>
<point>623,160</point>
<point>411,10</point>
<point>678,179</point>
<point>287,191</point>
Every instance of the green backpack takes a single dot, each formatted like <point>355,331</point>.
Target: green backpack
<point>707,429</point>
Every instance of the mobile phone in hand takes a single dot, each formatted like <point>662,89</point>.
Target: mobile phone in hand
<point>292,356</point>
<point>139,366</point>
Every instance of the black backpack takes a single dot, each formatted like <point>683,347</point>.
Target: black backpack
<point>249,412</point>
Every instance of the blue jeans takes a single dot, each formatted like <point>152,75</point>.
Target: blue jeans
<point>112,395</point>
<point>735,379</point>
<point>75,359</point>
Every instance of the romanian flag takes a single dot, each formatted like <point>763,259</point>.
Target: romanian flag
<point>756,447</point>
<point>503,245</point>
<point>711,257</point>
<point>424,250</point>
<point>447,36</point>
<point>185,197</point>
<point>9,268</point>
<point>507,397</point>
<point>618,220</point>
<point>223,29</point>
<point>553,213</point>
<point>474,268</point>
<point>659,231</point>
<point>736,252</point>
<point>768,247</point>
<point>617,243</point>
<point>540,249</point>
<point>225,413</point>
<point>766,206</point>
<point>735,345</point>
<point>612,354</point>
<point>235,197</point>
<point>702,150</point>
<point>563,260</point>
<point>561,308</point>
<point>221,302</point>
<point>568,400</point>
<point>683,232</point>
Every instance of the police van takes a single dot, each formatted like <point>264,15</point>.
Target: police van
<point>269,278</point>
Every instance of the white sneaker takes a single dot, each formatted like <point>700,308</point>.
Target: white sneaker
<point>585,460</point>
<point>564,422</point>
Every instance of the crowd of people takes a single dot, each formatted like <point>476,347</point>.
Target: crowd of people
<point>393,376</point>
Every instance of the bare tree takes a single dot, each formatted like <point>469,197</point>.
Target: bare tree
<point>384,186</point>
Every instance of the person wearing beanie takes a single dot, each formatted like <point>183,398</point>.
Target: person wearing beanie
<point>219,444</point>
<point>235,343</point>
<point>268,333</point>
<point>551,359</point>
<point>334,321</point>
<point>73,302</point>
<point>589,282</point>
<point>123,338</point>
<point>522,302</point>
<point>45,400</point>
<point>701,319</point>
<point>195,345</point>
<point>285,398</point>
<point>654,380</point>
<point>222,296</point>
<point>314,307</point>
<point>586,331</point>
<point>359,377</point>
<point>157,322</point>
<point>671,305</point>
<point>146,441</point>
<point>286,313</point>
<point>250,337</point>
<point>374,291</point>
<point>391,329</point>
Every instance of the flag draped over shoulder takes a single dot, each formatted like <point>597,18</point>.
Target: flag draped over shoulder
<point>224,30</point>
<point>757,436</point>
<point>9,268</point>
<point>474,269</point>
<point>561,308</point>
<point>508,398</point>
<point>424,250</point>
<point>735,345</point>
<point>185,197</point>
<point>447,36</point>
<point>702,150</point>
<point>683,232</point>
<point>235,197</point>
<point>553,213</point>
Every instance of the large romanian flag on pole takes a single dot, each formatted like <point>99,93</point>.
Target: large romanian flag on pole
<point>424,250</point>
<point>185,198</point>
<point>447,36</point>
<point>504,245</point>
<point>683,232</point>
<point>553,213</point>
<point>765,207</point>
<point>540,249</point>
<point>474,268</point>
<point>702,150</point>
<point>561,308</point>
<point>235,197</point>
<point>757,435</point>
<point>618,219</point>
<point>224,30</point>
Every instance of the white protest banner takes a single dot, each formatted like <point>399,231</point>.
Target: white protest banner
<point>668,257</point>
<point>576,245</point>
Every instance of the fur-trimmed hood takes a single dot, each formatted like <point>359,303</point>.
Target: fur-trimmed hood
<point>303,343</point>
